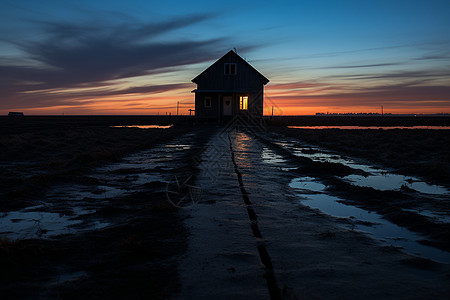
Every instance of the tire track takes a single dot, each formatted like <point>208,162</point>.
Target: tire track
<point>272,285</point>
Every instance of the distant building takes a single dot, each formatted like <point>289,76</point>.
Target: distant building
<point>229,88</point>
<point>15,114</point>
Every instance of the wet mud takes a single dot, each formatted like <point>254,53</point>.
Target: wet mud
<point>406,201</point>
<point>221,212</point>
<point>108,231</point>
<point>259,197</point>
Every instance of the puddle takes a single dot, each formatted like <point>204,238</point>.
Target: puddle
<point>78,201</point>
<point>67,277</point>
<point>372,127</point>
<point>311,193</point>
<point>379,179</point>
<point>31,224</point>
<point>179,147</point>
<point>144,126</point>
<point>388,181</point>
<point>307,184</point>
<point>271,157</point>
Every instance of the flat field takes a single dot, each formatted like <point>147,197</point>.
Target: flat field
<point>87,209</point>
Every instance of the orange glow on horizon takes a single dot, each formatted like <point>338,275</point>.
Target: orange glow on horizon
<point>297,111</point>
<point>296,98</point>
<point>164,106</point>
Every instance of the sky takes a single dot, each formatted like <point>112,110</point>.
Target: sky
<point>139,56</point>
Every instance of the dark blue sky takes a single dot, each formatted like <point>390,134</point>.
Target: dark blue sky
<point>117,57</point>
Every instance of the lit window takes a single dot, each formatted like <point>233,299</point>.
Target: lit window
<point>230,69</point>
<point>243,102</point>
<point>207,101</point>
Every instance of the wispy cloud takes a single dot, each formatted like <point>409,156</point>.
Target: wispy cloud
<point>400,95</point>
<point>398,75</point>
<point>297,85</point>
<point>362,66</point>
<point>71,56</point>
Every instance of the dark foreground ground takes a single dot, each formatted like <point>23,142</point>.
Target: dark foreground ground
<point>134,257</point>
<point>138,255</point>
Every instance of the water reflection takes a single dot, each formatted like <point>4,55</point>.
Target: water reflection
<point>241,147</point>
<point>270,157</point>
<point>28,223</point>
<point>80,202</point>
<point>307,184</point>
<point>144,126</point>
<point>387,181</point>
<point>179,146</point>
<point>311,193</point>
<point>372,127</point>
<point>380,179</point>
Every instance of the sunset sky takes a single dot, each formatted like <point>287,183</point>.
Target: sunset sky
<point>138,57</point>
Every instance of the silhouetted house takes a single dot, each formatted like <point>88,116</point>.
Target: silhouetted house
<point>229,88</point>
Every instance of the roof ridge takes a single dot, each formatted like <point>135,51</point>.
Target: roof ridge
<point>233,53</point>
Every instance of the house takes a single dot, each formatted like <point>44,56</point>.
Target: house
<point>229,88</point>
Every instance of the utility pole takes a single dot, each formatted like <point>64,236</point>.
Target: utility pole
<point>272,111</point>
<point>178,105</point>
<point>382,112</point>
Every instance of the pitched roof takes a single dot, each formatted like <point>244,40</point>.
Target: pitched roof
<point>231,52</point>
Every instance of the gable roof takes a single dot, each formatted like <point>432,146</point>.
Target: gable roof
<point>236,56</point>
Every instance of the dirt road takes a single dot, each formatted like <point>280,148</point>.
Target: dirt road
<point>251,236</point>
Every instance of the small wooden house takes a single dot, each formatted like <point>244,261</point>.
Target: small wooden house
<point>229,88</point>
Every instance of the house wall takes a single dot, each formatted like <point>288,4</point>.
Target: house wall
<point>255,105</point>
<point>207,112</point>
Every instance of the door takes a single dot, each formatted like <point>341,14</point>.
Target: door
<point>227,105</point>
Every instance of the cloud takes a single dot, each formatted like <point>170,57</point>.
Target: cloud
<point>297,85</point>
<point>400,95</point>
<point>412,77</point>
<point>444,56</point>
<point>362,66</point>
<point>80,56</point>
<point>148,89</point>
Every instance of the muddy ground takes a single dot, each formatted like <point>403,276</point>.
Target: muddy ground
<point>413,152</point>
<point>259,235</point>
<point>145,249</point>
<point>134,256</point>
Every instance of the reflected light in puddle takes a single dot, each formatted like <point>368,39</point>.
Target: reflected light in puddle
<point>307,183</point>
<point>380,228</point>
<point>144,126</point>
<point>79,201</point>
<point>389,181</point>
<point>379,179</point>
<point>240,142</point>
<point>372,127</point>
<point>34,224</point>
<point>270,157</point>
